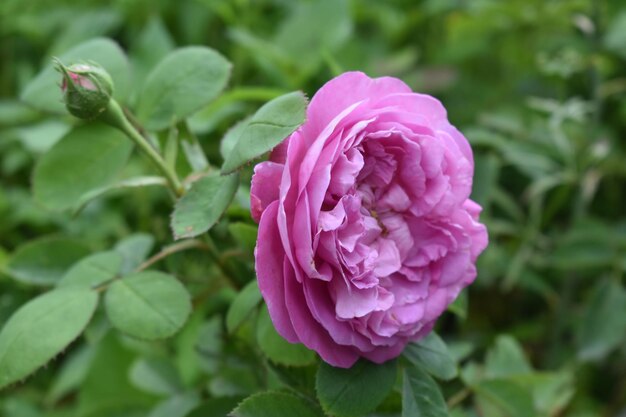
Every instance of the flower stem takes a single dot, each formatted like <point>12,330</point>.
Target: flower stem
<point>114,116</point>
<point>170,250</point>
<point>458,398</point>
<point>223,266</point>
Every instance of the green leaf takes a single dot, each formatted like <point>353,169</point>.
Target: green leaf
<point>187,357</point>
<point>242,306</point>
<point>589,244</point>
<point>209,344</point>
<point>269,126</point>
<point>93,270</point>
<point>148,305</point>
<point>421,397</point>
<point>615,38</point>
<point>432,354</point>
<point>88,158</point>
<point>506,358</point>
<point>136,182</point>
<point>507,396</point>
<point>44,93</point>
<point>85,25</point>
<point>245,234</point>
<point>151,46</point>
<point>230,139</point>
<point>15,406</point>
<point>355,391</point>
<point>41,329</point>
<point>16,113</point>
<point>485,179</point>
<point>312,29</point>
<point>270,57</point>
<point>554,392</point>
<point>156,376</point>
<point>460,350</point>
<point>44,261</point>
<point>40,137</point>
<point>298,378</point>
<point>176,406</point>
<point>225,108</point>
<point>73,372</point>
<point>215,407</point>
<point>107,390</point>
<point>275,404</point>
<point>192,149</point>
<point>201,207</point>
<point>278,349</point>
<point>234,380</point>
<point>181,84</point>
<point>459,306</point>
<point>135,249</point>
<point>551,391</point>
<point>603,326</point>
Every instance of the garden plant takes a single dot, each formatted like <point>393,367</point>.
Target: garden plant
<point>312,208</point>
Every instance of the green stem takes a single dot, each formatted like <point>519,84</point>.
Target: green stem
<point>114,115</point>
<point>458,398</point>
<point>192,148</point>
<point>214,253</point>
<point>170,250</point>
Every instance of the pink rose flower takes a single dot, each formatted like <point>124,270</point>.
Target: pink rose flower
<point>366,230</point>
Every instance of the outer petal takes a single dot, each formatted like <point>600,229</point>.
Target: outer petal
<point>421,104</point>
<point>384,353</point>
<point>460,140</point>
<point>309,331</point>
<point>264,189</point>
<point>279,153</point>
<point>477,231</point>
<point>343,91</point>
<point>269,255</point>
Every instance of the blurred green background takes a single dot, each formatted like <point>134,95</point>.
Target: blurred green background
<point>537,86</point>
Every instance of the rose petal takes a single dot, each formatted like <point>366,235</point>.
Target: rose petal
<point>343,91</point>
<point>264,189</point>
<point>269,256</point>
<point>309,331</point>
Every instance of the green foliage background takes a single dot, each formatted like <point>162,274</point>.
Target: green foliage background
<point>537,86</point>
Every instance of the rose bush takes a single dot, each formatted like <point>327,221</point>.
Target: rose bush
<point>367,232</point>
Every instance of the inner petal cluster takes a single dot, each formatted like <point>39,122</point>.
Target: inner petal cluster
<point>378,240</point>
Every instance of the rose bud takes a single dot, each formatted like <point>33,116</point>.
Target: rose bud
<point>87,89</point>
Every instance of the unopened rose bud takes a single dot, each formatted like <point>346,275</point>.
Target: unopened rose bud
<point>87,89</point>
